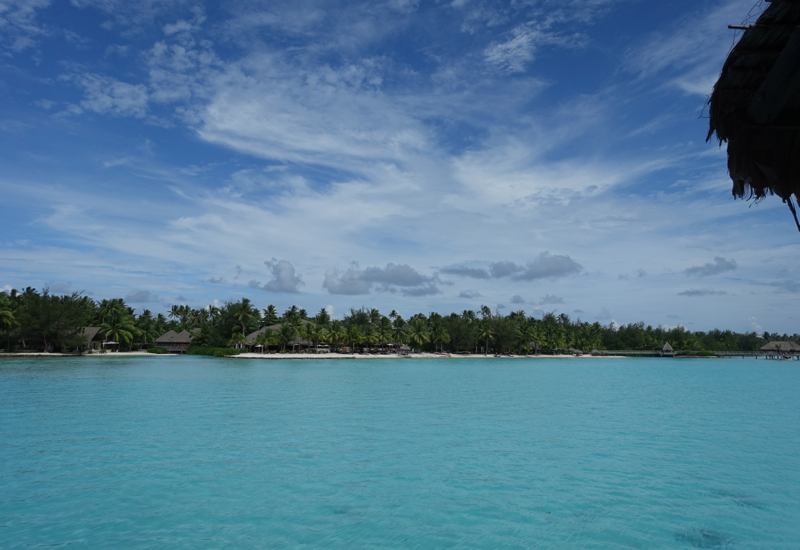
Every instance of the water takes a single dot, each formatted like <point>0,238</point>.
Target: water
<point>485,453</point>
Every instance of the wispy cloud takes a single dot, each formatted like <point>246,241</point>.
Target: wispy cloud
<point>544,266</point>
<point>391,278</point>
<point>718,266</point>
<point>702,292</point>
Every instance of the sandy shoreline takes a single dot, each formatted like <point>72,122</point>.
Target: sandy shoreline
<point>109,354</point>
<point>410,356</point>
<point>334,356</point>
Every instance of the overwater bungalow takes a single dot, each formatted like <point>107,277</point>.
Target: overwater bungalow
<point>667,350</point>
<point>781,349</point>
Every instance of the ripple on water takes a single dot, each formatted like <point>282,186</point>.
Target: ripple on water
<point>206,453</point>
<point>704,538</point>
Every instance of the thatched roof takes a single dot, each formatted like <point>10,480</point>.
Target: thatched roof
<point>172,337</point>
<point>167,337</point>
<point>667,348</point>
<point>89,333</point>
<point>755,106</point>
<point>184,337</point>
<point>784,346</point>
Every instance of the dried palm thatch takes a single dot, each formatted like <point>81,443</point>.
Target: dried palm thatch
<point>755,106</point>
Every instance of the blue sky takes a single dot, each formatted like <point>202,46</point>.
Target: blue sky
<point>419,155</point>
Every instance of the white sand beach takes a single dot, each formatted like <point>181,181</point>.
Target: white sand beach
<point>137,353</point>
<point>410,356</point>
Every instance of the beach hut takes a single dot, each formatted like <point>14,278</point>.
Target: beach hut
<point>596,352</point>
<point>755,106</point>
<point>667,350</point>
<point>92,339</point>
<point>780,349</point>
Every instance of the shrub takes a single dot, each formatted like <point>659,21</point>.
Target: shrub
<point>157,350</point>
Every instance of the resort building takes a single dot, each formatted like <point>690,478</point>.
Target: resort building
<point>781,349</point>
<point>175,342</point>
<point>92,338</point>
<point>667,351</point>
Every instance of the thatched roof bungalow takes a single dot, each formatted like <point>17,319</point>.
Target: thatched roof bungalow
<point>175,342</point>
<point>755,106</point>
<point>667,350</point>
<point>92,338</point>
<point>781,349</point>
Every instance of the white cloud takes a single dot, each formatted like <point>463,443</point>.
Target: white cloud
<point>693,49</point>
<point>19,27</point>
<point>513,55</point>
<point>106,95</point>
<point>284,278</point>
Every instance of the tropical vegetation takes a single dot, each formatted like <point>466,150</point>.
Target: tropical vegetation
<point>33,320</point>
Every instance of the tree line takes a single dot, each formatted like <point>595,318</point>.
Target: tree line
<point>33,320</point>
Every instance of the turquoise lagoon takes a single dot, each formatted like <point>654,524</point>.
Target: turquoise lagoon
<point>195,452</point>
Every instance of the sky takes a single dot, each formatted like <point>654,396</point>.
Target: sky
<point>416,155</point>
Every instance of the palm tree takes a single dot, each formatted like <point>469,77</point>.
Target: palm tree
<point>369,336</point>
<point>265,339</point>
<point>286,334</point>
<point>417,331</point>
<point>119,327</point>
<point>291,313</point>
<point>485,332</point>
<point>440,336</point>
<point>374,315</point>
<point>297,328</point>
<point>322,318</point>
<point>244,313</point>
<point>7,319</point>
<point>237,340</point>
<point>385,330</point>
<point>336,333</point>
<point>527,334</point>
<point>352,335</point>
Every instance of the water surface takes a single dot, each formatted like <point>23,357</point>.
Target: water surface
<point>196,452</point>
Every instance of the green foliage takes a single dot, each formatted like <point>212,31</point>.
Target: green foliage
<point>51,322</point>
<point>157,350</point>
<point>38,320</point>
